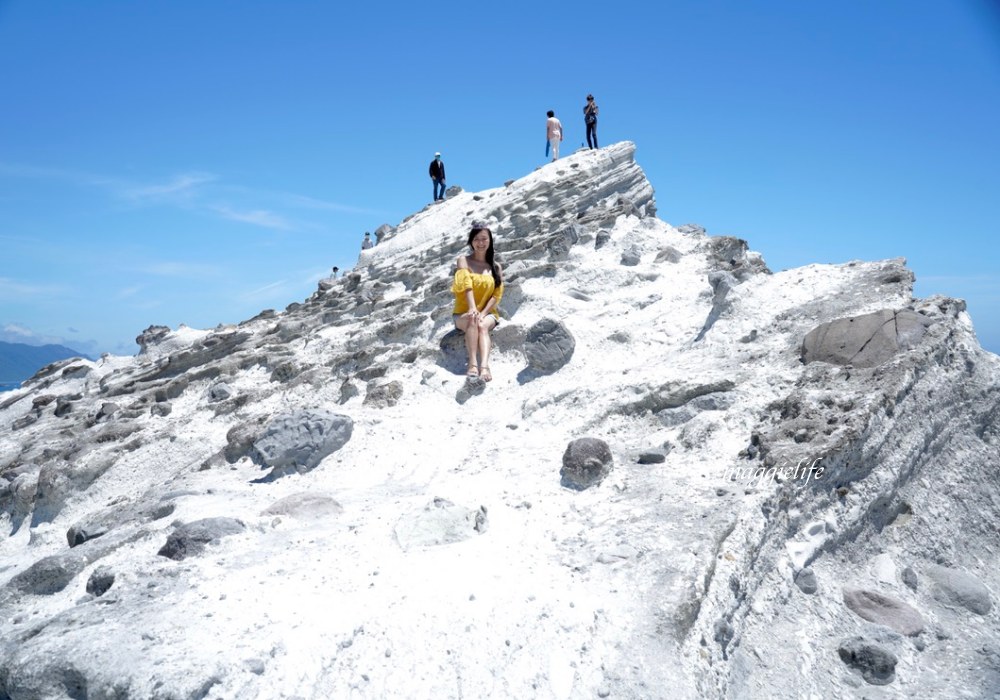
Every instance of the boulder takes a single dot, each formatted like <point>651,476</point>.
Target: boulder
<point>383,395</point>
<point>668,254</point>
<point>958,589</point>
<point>548,346</point>
<point>864,341</point>
<point>298,442</point>
<point>884,610</point>
<point>191,538</point>
<point>806,581</point>
<point>150,337</point>
<point>439,522</point>
<point>307,506</point>
<point>585,463</point>
<point>874,663</point>
<point>100,581</point>
<point>219,392</point>
<point>48,575</point>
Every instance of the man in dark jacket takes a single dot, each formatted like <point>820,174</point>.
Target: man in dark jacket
<point>437,175</point>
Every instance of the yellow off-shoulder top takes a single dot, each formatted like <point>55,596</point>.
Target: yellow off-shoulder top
<point>482,287</point>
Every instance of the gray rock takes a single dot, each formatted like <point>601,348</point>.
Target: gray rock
<point>160,409</point>
<point>585,463</point>
<point>58,481</point>
<point>348,390</point>
<point>76,371</point>
<point>191,538</point>
<point>24,422</point>
<point>81,532</point>
<point>668,254</point>
<point>385,231</point>
<point>106,411</point>
<point>678,393</point>
<point>453,354</point>
<point>909,577</point>
<point>64,406</point>
<point>864,341</point>
<point>240,439</point>
<point>652,458</point>
<point>958,589</point>
<point>219,392</point>
<point>602,239</point>
<point>691,230</point>
<point>284,372</point>
<point>722,283</point>
<point>306,506</point>
<point>884,610</point>
<point>631,257</point>
<point>561,242</point>
<point>806,581</point>
<point>48,575</point>
<point>298,442</point>
<point>452,191</point>
<point>548,346</point>
<point>875,664</point>
<point>383,395</point>
<point>150,337</point>
<point>440,522</point>
<point>100,581</point>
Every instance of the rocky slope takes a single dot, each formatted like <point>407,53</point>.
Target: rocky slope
<point>689,478</point>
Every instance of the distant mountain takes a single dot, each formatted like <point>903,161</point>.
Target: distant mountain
<point>19,361</point>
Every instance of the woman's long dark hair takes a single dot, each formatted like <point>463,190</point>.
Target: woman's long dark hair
<point>489,253</point>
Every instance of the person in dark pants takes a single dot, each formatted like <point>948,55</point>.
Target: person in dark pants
<point>437,175</point>
<point>590,119</point>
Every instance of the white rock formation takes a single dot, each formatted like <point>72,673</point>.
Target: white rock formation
<point>374,575</point>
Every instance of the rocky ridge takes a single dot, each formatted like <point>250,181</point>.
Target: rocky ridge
<point>691,477</point>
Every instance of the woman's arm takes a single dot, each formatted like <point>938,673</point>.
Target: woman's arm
<point>494,299</point>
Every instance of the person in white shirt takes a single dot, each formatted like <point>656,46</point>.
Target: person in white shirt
<point>554,133</point>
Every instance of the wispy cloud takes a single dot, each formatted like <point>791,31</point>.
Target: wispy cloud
<point>313,203</point>
<point>198,191</point>
<point>128,292</point>
<point>180,187</point>
<point>13,289</point>
<point>266,292</point>
<point>257,217</point>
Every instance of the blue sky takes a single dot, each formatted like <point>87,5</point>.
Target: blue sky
<point>197,162</point>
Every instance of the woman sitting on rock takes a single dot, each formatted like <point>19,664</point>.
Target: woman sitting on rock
<point>478,288</point>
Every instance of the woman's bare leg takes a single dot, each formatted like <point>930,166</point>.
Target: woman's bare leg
<point>464,324</point>
<point>485,345</point>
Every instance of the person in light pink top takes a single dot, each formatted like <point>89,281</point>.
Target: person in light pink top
<point>554,133</point>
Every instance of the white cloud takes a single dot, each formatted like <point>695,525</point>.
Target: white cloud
<point>268,291</point>
<point>13,289</point>
<point>257,217</point>
<point>180,187</point>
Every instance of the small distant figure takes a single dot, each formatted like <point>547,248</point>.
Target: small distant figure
<point>590,120</point>
<point>437,175</point>
<point>367,242</point>
<point>553,133</point>
<point>336,271</point>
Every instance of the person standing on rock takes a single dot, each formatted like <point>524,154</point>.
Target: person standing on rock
<point>478,287</point>
<point>590,111</point>
<point>437,175</point>
<point>553,133</point>
<point>367,242</point>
